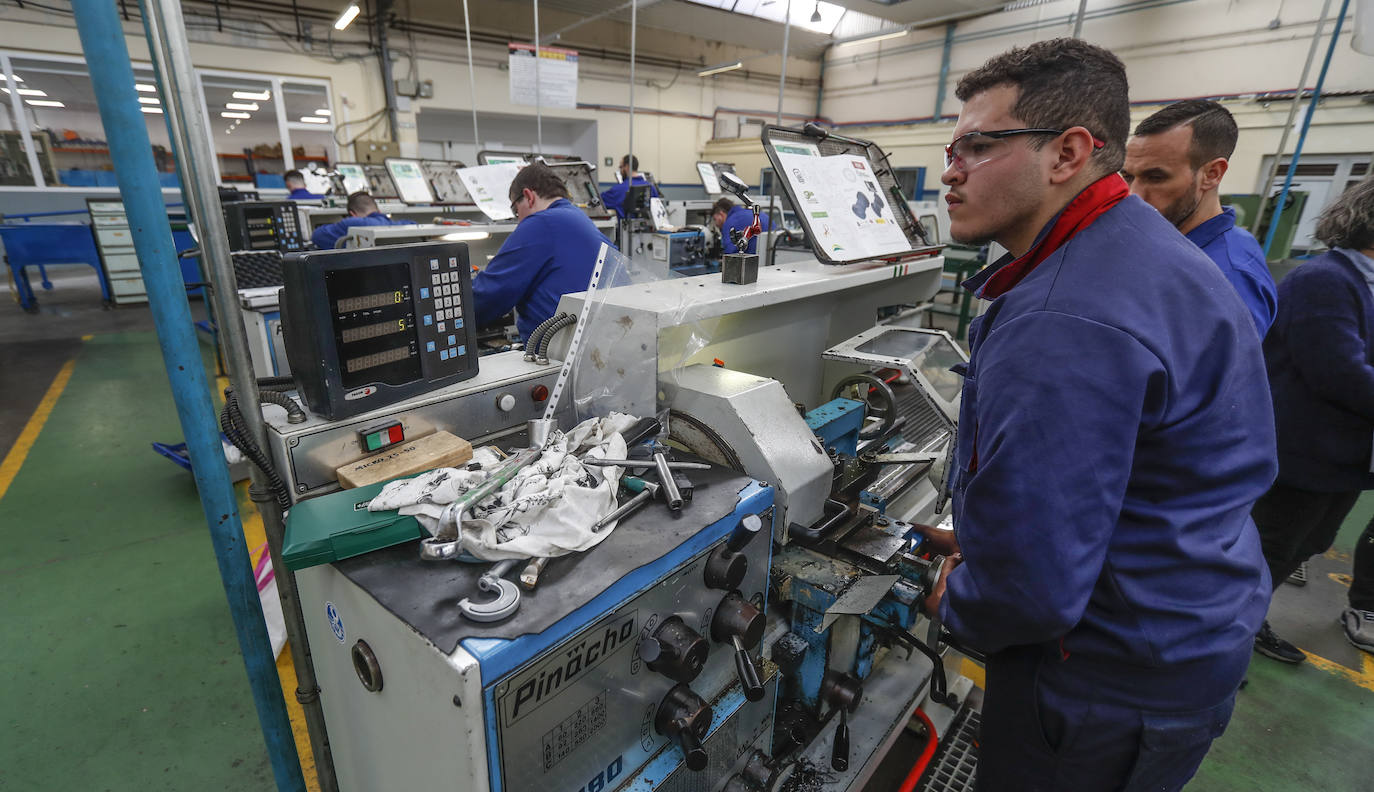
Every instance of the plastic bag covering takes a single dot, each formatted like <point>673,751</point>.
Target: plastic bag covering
<point>607,372</point>
<point>546,510</point>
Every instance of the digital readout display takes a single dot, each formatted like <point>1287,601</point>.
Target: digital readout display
<point>351,334</point>
<point>367,302</point>
<point>376,359</point>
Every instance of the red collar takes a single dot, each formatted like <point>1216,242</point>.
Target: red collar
<point>1086,207</point>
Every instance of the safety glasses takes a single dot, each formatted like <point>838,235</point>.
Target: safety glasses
<point>970,150</point>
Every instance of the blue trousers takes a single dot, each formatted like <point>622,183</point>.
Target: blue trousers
<point>1047,729</point>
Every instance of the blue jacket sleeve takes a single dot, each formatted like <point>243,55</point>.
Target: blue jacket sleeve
<point>1059,403</point>
<point>507,277</point>
<point>614,198</point>
<point>327,236</point>
<point>1322,334</point>
<point>1261,298</point>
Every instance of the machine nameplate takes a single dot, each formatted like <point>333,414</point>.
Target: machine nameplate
<point>541,684</point>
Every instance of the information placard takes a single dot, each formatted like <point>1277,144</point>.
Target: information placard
<point>848,212</point>
<point>557,76</point>
<point>489,186</point>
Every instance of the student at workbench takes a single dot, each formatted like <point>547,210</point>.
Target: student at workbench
<point>614,198</point>
<point>551,252</point>
<point>728,217</point>
<point>295,182</point>
<point>362,211</point>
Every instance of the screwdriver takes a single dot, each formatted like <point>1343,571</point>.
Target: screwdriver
<point>646,490</point>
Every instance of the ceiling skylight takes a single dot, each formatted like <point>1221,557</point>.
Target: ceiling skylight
<point>803,11</point>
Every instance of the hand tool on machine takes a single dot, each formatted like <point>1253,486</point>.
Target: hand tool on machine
<point>640,464</point>
<point>507,600</point>
<point>529,578</point>
<point>908,458</point>
<point>444,545</point>
<point>646,490</point>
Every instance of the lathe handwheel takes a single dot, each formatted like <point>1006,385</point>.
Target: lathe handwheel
<point>876,395</point>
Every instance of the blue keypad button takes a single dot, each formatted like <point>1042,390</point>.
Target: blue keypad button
<point>457,324</point>
<point>453,353</point>
<point>443,354</point>
<point>429,320</point>
<point>429,347</point>
<point>424,293</point>
<point>462,350</point>
<point>452,340</point>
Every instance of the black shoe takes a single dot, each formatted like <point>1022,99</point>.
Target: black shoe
<point>1270,645</point>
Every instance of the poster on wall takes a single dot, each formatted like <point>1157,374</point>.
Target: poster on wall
<point>557,78</point>
<point>489,186</point>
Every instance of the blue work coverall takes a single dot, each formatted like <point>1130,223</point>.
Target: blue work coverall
<point>327,236</point>
<point>741,217</point>
<point>302,194</point>
<point>549,254</point>
<point>1114,431</point>
<point>1241,259</point>
<point>614,198</point>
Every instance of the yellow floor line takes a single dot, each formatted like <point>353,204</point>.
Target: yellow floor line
<point>15,458</point>
<point>256,538</point>
<point>1364,677</point>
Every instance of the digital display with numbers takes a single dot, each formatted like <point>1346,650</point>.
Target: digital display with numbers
<point>370,301</point>
<point>377,359</point>
<point>374,324</point>
<point>373,330</point>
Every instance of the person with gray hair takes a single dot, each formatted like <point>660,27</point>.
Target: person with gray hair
<point>1320,356</point>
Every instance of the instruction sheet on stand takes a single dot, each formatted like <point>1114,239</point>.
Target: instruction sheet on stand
<point>489,186</point>
<point>848,213</point>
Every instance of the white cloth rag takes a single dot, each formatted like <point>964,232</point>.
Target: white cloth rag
<point>548,508</point>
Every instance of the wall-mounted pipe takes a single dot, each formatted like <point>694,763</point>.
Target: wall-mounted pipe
<point>944,68</point>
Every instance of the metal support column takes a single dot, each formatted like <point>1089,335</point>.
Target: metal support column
<point>1302,136</point>
<point>384,55</point>
<point>170,51</point>
<point>112,76</point>
<point>944,69</point>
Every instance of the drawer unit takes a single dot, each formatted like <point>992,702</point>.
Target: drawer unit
<point>115,243</point>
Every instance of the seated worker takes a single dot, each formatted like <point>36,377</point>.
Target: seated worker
<point>362,211</point>
<point>1175,162</point>
<point>551,252</point>
<point>614,198</point>
<point>295,182</point>
<point>729,217</point>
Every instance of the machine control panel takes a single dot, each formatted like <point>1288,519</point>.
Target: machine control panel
<point>263,225</point>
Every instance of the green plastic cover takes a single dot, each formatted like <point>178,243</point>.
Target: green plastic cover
<point>338,526</point>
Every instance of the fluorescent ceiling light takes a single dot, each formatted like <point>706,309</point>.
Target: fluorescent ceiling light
<point>314,120</point>
<point>718,69</point>
<point>17,78</point>
<point>152,110</point>
<point>44,103</point>
<point>253,96</point>
<point>235,115</point>
<point>26,91</point>
<point>148,100</point>
<point>347,17</point>
<point>240,105</point>
<point>465,236</point>
<point>878,37</point>
<point>145,87</point>
<point>323,112</point>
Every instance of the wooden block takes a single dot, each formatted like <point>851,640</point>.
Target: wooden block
<point>437,450</point>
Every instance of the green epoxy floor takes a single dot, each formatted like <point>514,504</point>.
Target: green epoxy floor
<point>121,670</point>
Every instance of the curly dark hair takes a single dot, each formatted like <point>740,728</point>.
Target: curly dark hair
<point>1349,221</point>
<point>1214,129</point>
<point>1064,83</point>
<point>538,177</point>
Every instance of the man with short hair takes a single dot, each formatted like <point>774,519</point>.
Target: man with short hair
<point>1115,427</point>
<point>551,252</point>
<point>295,182</point>
<point>362,211</point>
<point>1175,163</point>
<point>614,198</point>
<point>728,217</point>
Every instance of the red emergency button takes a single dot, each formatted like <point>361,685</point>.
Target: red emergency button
<point>539,393</point>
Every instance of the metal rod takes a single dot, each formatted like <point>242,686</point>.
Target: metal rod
<point>767,249</point>
<point>17,107</point>
<point>538,89</point>
<point>472,81</point>
<point>1268,182</point>
<point>627,244</point>
<point>944,69</point>
<point>112,77</point>
<point>1306,124</point>
<point>388,84</point>
<point>1078,18</point>
<point>170,51</point>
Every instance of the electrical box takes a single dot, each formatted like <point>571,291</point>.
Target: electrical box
<point>375,152</point>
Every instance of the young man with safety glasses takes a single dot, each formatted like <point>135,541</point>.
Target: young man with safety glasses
<point>1115,428</point>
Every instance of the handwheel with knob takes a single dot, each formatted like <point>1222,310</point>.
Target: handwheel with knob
<point>876,395</point>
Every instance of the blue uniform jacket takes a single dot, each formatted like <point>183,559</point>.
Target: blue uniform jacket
<point>614,198</point>
<point>1241,260</point>
<point>1321,369</point>
<point>741,217</point>
<point>549,254</point>
<point>302,194</point>
<point>327,236</point>
<point>1114,431</point>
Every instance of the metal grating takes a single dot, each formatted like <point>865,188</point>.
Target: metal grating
<point>955,766</point>
<point>925,424</point>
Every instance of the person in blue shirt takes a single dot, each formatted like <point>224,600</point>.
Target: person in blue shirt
<point>1321,371</point>
<point>728,217</point>
<point>551,252</point>
<point>1175,163</point>
<point>614,198</point>
<point>295,182</point>
<point>362,211</point>
<point>1115,429</point>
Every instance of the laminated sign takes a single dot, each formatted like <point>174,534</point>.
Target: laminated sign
<point>556,76</point>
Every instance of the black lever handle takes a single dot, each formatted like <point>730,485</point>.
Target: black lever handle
<point>839,752</point>
<point>691,750</point>
<point>747,672</point>
<point>748,528</point>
